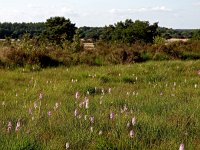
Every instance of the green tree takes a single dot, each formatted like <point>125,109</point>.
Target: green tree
<point>59,29</point>
<point>196,35</point>
<point>130,32</point>
<point>76,45</point>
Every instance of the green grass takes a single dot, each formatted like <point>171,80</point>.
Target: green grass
<point>161,95</point>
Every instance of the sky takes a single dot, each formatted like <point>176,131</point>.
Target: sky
<point>177,14</point>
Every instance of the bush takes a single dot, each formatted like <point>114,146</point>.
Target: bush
<point>35,52</point>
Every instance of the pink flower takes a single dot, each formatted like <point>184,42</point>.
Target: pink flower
<point>77,96</point>
<point>49,113</point>
<point>76,112</point>
<point>198,72</point>
<point>67,145</point>
<point>109,90</point>
<point>86,103</point>
<point>181,147</point>
<point>132,134</point>
<point>112,115</point>
<point>41,96</point>
<point>9,126</point>
<point>18,125</point>
<point>56,106</point>
<point>133,121</point>
<point>92,119</point>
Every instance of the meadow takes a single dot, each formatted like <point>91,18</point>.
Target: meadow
<point>152,105</point>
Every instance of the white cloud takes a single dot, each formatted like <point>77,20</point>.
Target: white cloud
<point>161,8</point>
<point>196,4</point>
<point>36,13</point>
<point>138,10</point>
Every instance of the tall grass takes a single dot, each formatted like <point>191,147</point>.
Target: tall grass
<point>162,96</point>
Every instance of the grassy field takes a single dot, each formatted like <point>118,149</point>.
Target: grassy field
<point>153,105</point>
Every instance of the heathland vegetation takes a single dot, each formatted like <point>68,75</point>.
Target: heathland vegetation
<point>59,42</point>
<point>59,92</point>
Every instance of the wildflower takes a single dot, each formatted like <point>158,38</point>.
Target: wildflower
<point>109,90</point>
<point>9,126</point>
<point>56,106</point>
<point>77,96</point>
<point>181,147</point>
<point>112,115</point>
<point>102,91</point>
<point>86,103</point>
<point>131,133</point>
<point>85,117</point>
<point>3,103</point>
<point>67,145</point>
<point>100,132</point>
<point>18,125</point>
<point>198,72</point>
<point>133,121</point>
<point>49,113</point>
<point>76,112</point>
<point>92,119</point>
<point>41,96</point>
<point>195,86</point>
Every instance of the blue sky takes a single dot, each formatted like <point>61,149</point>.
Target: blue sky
<point>170,13</point>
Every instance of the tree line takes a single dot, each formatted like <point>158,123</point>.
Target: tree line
<point>58,29</point>
<point>17,30</point>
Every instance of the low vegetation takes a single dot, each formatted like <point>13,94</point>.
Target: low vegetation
<point>41,54</point>
<point>153,105</point>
